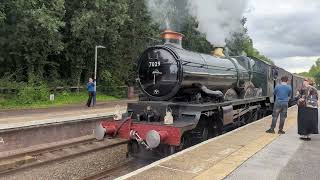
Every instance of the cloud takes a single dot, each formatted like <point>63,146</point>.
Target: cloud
<point>296,64</point>
<point>286,30</point>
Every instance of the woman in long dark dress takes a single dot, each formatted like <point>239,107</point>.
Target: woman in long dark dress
<point>307,110</point>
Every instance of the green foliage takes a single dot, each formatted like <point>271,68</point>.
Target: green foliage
<point>304,74</point>
<point>111,85</point>
<point>240,43</point>
<point>8,81</point>
<point>61,99</point>
<point>194,40</point>
<point>30,34</point>
<point>317,79</point>
<point>314,72</point>
<point>2,16</point>
<point>108,80</point>
<point>54,42</point>
<point>31,93</point>
<point>315,69</point>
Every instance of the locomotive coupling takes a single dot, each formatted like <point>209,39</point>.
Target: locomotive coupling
<point>154,138</point>
<point>135,135</point>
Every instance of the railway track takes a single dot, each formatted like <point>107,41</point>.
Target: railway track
<point>49,154</point>
<point>121,169</point>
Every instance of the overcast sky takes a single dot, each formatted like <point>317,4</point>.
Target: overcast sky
<point>287,31</point>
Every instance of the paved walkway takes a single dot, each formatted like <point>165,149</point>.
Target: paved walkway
<point>286,158</point>
<point>20,118</point>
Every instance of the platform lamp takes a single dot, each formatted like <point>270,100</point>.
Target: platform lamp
<point>95,71</point>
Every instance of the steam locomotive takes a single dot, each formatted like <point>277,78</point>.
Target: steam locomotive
<point>188,97</point>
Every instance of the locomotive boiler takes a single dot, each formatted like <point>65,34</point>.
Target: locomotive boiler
<point>169,72</point>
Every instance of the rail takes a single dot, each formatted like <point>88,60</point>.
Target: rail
<point>44,155</point>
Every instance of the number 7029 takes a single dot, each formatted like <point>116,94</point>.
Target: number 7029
<point>154,64</point>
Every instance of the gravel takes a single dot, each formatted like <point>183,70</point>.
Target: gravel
<point>74,168</point>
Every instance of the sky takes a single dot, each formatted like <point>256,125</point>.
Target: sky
<point>287,31</point>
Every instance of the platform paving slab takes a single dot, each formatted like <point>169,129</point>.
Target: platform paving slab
<point>286,158</point>
<point>217,157</point>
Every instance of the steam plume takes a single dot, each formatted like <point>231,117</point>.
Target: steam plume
<point>161,12</point>
<point>218,19</point>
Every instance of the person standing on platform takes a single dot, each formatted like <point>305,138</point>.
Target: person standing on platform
<point>282,92</point>
<point>307,110</point>
<point>94,98</point>
<point>90,88</point>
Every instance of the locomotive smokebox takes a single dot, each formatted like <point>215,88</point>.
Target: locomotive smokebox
<point>218,51</point>
<point>172,37</point>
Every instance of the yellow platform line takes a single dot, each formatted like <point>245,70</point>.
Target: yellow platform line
<point>227,165</point>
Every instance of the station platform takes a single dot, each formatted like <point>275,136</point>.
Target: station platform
<point>30,117</point>
<point>245,153</point>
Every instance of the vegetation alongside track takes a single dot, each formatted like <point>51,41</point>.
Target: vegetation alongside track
<point>53,42</point>
<point>61,99</point>
<point>314,73</point>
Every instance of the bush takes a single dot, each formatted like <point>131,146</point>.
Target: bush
<point>65,93</point>
<point>111,86</point>
<point>31,93</point>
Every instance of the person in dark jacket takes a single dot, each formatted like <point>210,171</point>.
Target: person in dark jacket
<point>91,91</point>
<point>307,110</point>
<point>283,93</point>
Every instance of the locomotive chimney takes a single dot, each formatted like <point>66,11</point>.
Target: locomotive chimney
<point>172,37</point>
<point>218,51</point>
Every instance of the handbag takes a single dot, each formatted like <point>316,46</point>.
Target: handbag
<point>302,102</point>
<point>302,98</point>
<point>312,99</point>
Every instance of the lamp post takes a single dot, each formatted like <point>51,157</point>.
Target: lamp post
<point>95,71</point>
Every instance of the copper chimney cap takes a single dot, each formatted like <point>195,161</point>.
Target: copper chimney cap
<point>172,37</point>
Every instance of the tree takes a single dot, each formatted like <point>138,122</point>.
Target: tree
<point>29,35</point>
<point>236,44</point>
<point>135,35</point>
<point>315,69</point>
<point>2,14</point>
<point>317,62</point>
<point>241,43</point>
<point>91,23</point>
<point>317,79</point>
<point>195,40</point>
<point>54,40</point>
<point>177,17</point>
<point>315,72</point>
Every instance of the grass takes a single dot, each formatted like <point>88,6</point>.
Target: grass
<point>62,99</point>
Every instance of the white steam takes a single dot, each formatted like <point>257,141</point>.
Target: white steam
<point>218,19</point>
<point>161,12</point>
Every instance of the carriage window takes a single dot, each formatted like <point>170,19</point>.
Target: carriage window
<point>252,62</point>
<point>274,73</point>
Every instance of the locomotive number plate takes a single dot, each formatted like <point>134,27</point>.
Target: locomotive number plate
<point>154,64</point>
